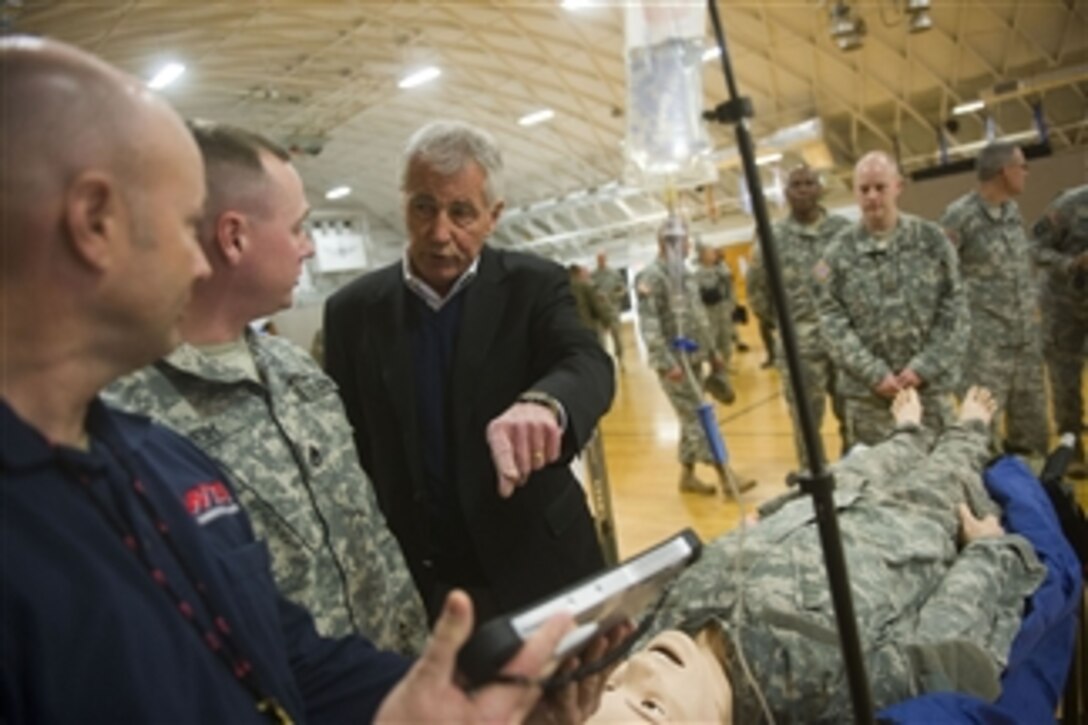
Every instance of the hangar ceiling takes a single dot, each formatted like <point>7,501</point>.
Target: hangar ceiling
<point>323,76</point>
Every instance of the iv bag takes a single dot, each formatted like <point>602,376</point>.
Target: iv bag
<point>667,142</point>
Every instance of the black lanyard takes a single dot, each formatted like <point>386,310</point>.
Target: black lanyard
<point>217,635</point>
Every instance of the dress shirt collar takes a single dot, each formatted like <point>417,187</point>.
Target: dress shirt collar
<point>426,293</point>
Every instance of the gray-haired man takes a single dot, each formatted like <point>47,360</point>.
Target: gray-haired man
<point>470,382</point>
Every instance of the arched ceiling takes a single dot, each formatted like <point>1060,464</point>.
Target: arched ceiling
<point>322,76</point>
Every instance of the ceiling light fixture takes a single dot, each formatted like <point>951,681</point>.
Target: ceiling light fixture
<point>166,75</point>
<point>574,4</point>
<point>918,12</point>
<point>338,192</point>
<point>846,29</point>
<point>419,77</point>
<point>969,107</point>
<point>711,53</point>
<point>531,119</point>
<point>768,159</point>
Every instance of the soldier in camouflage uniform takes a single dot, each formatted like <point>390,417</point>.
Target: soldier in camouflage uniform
<point>1004,353</point>
<point>931,615</point>
<point>592,308</point>
<point>1061,249</point>
<point>892,309</point>
<point>715,281</point>
<point>801,239</point>
<point>669,306</point>
<point>262,408</point>
<point>612,289</point>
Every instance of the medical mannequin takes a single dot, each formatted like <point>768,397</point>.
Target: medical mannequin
<point>938,593</point>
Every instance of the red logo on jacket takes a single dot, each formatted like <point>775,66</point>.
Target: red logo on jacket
<point>209,500</point>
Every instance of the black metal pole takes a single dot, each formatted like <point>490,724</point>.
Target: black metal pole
<point>819,484</point>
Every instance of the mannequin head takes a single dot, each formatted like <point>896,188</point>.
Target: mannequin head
<point>676,677</point>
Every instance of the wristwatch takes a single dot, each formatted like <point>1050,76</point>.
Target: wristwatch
<point>548,401</point>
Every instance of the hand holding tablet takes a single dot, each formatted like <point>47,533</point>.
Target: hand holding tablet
<point>598,604</point>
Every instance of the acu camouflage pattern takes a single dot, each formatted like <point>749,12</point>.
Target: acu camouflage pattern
<point>661,322</point>
<point>612,289</point>
<point>593,311</point>
<point>288,448</point>
<point>611,286</point>
<point>799,248</point>
<point>930,617</point>
<point>717,280</point>
<point>1060,237</point>
<point>889,303</point>
<point>1004,353</point>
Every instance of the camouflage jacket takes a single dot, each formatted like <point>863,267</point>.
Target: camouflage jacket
<point>610,285</point>
<point>914,594</point>
<point>661,322</point>
<point>715,285</point>
<point>1060,236</point>
<point>997,271</point>
<point>592,309</point>
<point>289,451</point>
<point>892,302</point>
<point>799,248</point>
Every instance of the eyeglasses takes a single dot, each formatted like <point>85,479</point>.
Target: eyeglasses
<point>425,208</point>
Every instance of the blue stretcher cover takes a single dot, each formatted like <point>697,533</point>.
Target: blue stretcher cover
<point>1033,681</point>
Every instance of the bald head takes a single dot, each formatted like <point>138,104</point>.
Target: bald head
<point>101,187</point>
<point>877,185</point>
<point>64,112</point>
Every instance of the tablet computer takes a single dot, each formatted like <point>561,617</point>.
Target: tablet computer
<point>597,603</point>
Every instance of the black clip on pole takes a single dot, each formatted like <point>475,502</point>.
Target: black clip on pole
<point>820,483</point>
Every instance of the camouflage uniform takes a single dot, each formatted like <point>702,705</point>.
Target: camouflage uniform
<point>289,451</point>
<point>661,323</point>
<point>1060,236</point>
<point>592,309</point>
<point>612,289</point>
<point>799,248</point>
<point>888,303</point>
<point>719,298</point>
<point>929,617</point>
<point>1005,351</point>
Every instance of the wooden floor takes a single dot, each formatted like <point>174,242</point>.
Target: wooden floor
<point>640,442</point>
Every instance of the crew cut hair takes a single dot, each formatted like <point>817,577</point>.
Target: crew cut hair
<point>449,146</point>
<point>233,169</point>
<point>993,158</point>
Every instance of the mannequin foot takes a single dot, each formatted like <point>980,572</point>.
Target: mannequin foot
<point>978,404</point>
<point>907,407</point>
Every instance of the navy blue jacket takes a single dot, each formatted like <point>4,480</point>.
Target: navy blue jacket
<point>87,635</point>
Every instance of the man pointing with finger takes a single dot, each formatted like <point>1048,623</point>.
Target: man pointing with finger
<point>470,382</point>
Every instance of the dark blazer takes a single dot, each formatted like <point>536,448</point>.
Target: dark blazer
<point>519,331</point>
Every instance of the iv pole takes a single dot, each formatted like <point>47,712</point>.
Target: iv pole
<point>819,484</point>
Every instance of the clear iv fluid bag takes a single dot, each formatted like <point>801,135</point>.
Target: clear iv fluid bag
<point>667,142</point>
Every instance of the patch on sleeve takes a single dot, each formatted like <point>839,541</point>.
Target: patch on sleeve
<point>821,271</point>
<point>643,288</point>
<point>953,236</point>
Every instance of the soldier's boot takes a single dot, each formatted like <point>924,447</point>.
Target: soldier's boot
<point>742,484</point>
<point>689,483</point>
